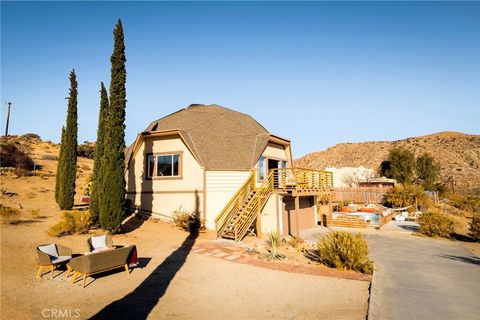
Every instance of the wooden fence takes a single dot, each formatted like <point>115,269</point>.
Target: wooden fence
<point>368,194</point>
<point>359,195</point>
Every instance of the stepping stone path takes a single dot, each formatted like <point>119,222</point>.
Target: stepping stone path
<point>239,255</point>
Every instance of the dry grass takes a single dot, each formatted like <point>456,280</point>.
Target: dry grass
<point>35,213</point>
<point>8,214</point>
<point>70,223</point>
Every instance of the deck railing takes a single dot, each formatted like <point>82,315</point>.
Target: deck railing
<point>302,179</point>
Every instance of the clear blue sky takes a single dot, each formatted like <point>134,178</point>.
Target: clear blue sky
<point>318,73</point>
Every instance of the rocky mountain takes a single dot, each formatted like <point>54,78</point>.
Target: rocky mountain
<point>457,153</point>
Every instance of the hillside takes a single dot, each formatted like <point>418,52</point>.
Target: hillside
<point>31,190</point>
<point>457,153</point>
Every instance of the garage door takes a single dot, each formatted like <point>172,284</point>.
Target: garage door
<point>306,214</point>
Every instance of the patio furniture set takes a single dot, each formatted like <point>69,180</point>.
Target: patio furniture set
<point>102,256</point>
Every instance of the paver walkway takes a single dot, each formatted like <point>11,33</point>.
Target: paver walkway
<point>237,254</point>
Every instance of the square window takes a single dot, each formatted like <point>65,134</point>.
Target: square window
<point>163,165</point>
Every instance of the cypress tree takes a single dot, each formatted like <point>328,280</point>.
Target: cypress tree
<point>58,176</point>
<point>113,179</point>
<point>98,155</point>
<point>68,151</point>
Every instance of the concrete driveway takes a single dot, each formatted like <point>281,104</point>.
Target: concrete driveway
<point>422,278</point>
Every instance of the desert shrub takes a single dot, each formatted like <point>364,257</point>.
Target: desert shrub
<point>474,227</point>
<point>70,223</point>
<point>31,136</point>
<point>186,220</point>
<point>436,224</point>
<point>49,157</point>
<point>12,156</point>
<point>35,213</point>
<point>343,250</point>
<point>8,214</point>
<point>464,202</point>
<point>405,195</point>
<point>86,150</point>
<point>274,242</point>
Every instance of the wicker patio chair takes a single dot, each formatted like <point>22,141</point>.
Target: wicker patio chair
<point>52,256</point>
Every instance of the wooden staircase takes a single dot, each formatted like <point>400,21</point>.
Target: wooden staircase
<point>246,205</point>
<point>244,208</point>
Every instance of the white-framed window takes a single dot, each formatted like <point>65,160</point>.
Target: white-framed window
<point>164,165</point>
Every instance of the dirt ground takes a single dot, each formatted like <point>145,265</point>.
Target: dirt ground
<point>172,282</point>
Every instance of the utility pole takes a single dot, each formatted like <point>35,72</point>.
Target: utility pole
<point>8,118</point>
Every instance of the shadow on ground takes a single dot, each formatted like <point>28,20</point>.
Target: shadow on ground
<point>410,228</point>
<point>463,237</point>
<point>140,302</point>
<point>17,222</point>
<point>472,259</point>
<point>132,224</point>
<point>142,263</point>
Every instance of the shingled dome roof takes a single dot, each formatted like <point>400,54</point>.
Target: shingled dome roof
<point>220,138</point>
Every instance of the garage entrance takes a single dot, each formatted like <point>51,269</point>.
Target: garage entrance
<point>306,215</point>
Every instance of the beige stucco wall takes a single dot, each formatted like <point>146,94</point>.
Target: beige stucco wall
<point>269,215</point>
<point>221,186</point>
<point>275,151</point>
<point>163,196</point>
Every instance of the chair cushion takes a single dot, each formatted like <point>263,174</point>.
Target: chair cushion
<point>99,242</point>
<point>50,249</point>
<point>61,259</point>
<point>101,249</point>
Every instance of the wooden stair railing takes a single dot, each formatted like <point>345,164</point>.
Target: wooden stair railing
<point>235,204</point>
<point>253,209</point>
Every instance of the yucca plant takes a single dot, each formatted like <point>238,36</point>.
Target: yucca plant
<point>274,242</point>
